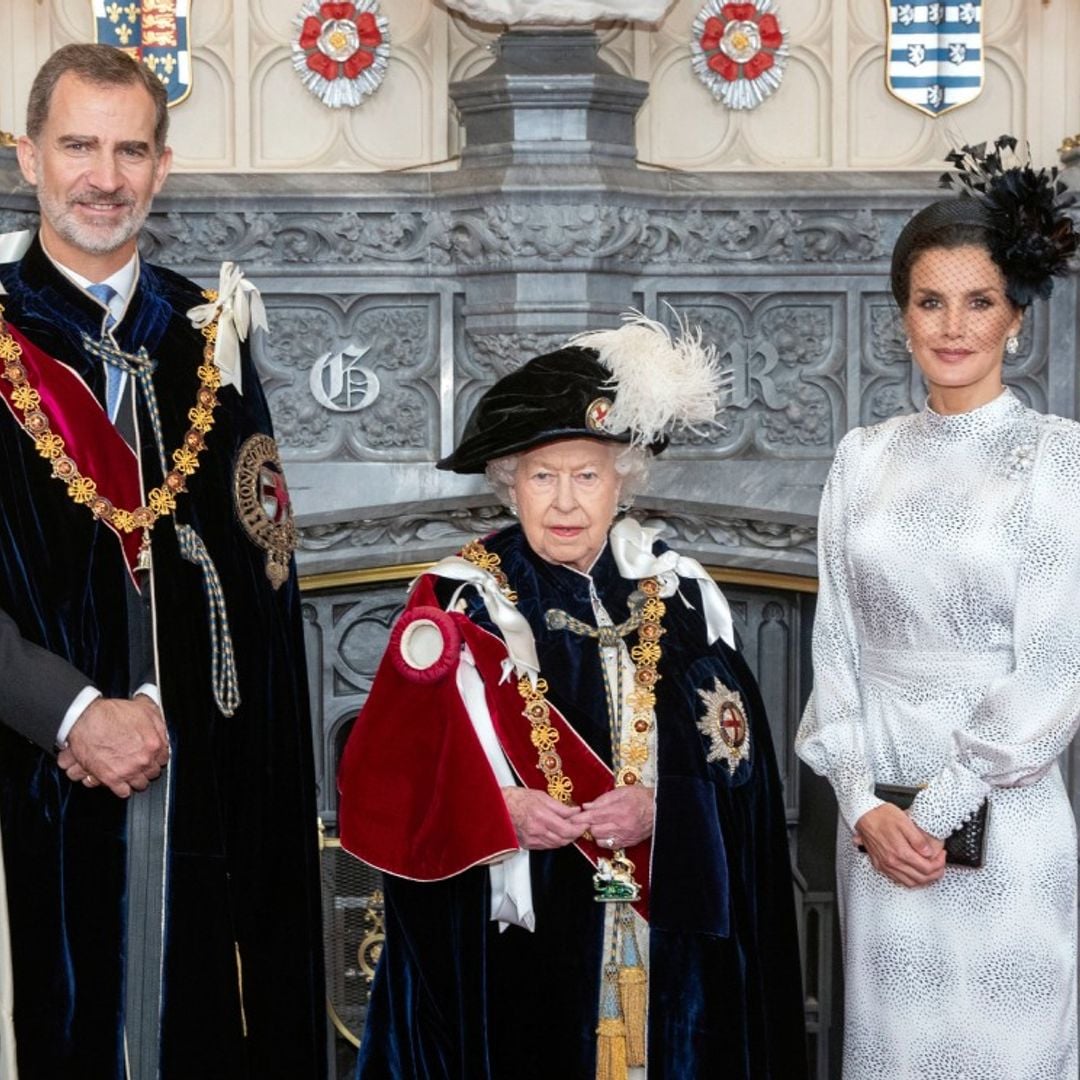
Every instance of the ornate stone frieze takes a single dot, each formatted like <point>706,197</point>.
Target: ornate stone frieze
<point>706,532</point>
<point>511,232</point>
<point>17,220</point>
<point>707,536</point>
<point>697,235</point>
<point>662,235</point>
<point>299,237</point>
<point>450,527</point>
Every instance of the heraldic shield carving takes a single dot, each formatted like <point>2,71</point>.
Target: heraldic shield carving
<point>934,53</point>
<point>157,32</point>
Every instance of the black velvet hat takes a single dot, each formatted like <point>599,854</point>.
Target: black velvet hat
<point>561,395</point>
<point>627,385</point>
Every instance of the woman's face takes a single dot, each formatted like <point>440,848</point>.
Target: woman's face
<point>566,494</point>
<point>957,319</point>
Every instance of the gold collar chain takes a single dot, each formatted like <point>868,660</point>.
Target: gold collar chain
<point>634,753</point>
<point>83,489</point>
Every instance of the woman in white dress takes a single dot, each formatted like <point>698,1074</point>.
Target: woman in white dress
<point>947,658</point>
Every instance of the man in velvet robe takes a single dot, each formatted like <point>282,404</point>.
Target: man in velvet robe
<point>156,782</point>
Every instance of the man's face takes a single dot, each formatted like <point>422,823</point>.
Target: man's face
<point>96,172</point>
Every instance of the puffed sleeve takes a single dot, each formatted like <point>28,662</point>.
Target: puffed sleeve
<point>1027,716</point>
<point>831,737</point>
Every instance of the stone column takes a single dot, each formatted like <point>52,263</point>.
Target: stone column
<point>548,99</point>
<point>548,116</point>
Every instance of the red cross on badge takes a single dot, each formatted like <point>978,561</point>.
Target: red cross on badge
<point>275,494</point>
<point>732,725</point>
<point>597,413</point>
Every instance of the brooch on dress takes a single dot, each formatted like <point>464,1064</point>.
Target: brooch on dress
<point>725,724</point>
<point>1020,460</point>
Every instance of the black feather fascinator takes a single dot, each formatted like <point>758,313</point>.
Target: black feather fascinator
<point>1031,237</point>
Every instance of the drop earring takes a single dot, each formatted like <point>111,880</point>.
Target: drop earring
<point>1012,344</point>
<point>907,344</point>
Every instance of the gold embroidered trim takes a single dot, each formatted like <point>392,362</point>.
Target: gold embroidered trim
<point>83,489</point>
<point>479,556</point>
<point>632,755</point>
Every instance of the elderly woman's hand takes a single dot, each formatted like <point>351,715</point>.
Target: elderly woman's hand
<point>540,821</point>
<point>898,848</point>
<point>623,816</point>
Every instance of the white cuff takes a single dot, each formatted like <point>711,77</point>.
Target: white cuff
<point>855,805</point>
<point>85,698</point>
<point>150,690</point>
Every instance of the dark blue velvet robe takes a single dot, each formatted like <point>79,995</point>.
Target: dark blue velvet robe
<point>243,865</point>
<point>455,999</point>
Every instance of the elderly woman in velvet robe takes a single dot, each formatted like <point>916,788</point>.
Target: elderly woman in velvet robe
<point>565,771</point>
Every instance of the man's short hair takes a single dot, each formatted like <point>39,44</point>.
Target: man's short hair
<point>104,65</point>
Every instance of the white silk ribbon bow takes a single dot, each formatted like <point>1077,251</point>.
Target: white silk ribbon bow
<point>632,546</point>
<point>238,307</point>
<point>514,627</point>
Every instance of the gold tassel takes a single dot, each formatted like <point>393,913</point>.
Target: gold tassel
<point>632,983</point>
<point>611,1049</point>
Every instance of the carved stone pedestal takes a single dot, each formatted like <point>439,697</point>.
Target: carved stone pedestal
<point>547,105</point>
<point>548,98</point>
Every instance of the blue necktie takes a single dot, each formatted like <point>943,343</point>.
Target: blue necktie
<point>114,377</point>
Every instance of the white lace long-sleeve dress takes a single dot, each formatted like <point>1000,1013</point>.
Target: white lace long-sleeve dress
<point>947,653</point>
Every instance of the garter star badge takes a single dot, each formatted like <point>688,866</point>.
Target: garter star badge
<point>935,53</point>
<point>263,504</point>
<point>153,31</point>
<point>725,724</point>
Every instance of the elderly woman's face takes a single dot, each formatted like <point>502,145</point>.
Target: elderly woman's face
<point>566,494</point>
<point>958,318</point>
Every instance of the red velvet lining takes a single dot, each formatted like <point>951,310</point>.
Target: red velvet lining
<point>418,798</point>
<point>90,438</point>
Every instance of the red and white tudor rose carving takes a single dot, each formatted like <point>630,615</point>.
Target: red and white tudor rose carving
<point>341,50</point>
<point>739,51</point>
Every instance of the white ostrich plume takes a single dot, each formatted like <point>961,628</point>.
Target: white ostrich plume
<point>659,384</point>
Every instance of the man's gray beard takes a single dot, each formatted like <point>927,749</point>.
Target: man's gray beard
<point>91,239</point>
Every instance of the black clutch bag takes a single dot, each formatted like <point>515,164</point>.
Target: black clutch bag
<point>966,846</point>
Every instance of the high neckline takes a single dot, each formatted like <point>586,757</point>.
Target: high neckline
<point>974,422</point>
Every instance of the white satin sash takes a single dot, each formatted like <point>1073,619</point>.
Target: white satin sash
<point>514,627</point>
<point>632,543</point>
